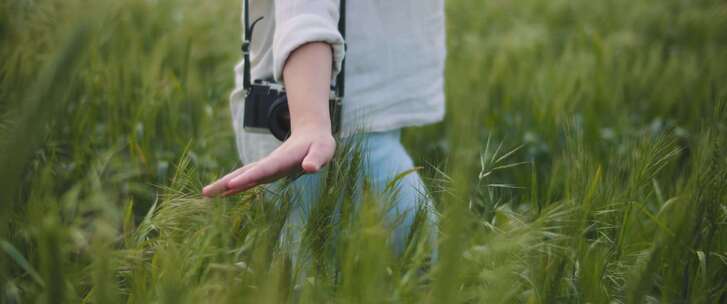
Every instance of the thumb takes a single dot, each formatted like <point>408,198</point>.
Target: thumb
<point>318,156</point>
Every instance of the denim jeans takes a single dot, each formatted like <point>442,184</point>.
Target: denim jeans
<point>389,173</point>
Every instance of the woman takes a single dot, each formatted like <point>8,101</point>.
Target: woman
<point>394,79</point>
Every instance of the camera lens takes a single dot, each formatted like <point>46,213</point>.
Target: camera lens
<point>279,119</point>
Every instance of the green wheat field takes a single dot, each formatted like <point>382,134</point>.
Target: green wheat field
<point>583,159</point>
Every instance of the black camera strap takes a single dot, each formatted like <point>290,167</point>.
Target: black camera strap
<point>340,79</point>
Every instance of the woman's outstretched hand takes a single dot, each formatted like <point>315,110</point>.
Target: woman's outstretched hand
<point>307,151</point>
<point>307,74</point>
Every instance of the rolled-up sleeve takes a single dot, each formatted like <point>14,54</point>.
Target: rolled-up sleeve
<point>298,22</point>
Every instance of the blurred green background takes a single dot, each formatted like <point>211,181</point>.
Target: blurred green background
<point>583,159</point>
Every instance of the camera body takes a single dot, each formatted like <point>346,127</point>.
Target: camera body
<point>266,109</point>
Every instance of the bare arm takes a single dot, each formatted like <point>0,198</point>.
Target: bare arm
<point>307,75</point>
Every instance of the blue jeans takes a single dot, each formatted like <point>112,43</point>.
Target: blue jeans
<point>389,172</point>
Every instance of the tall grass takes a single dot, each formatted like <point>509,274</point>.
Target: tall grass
<point>583,159</point>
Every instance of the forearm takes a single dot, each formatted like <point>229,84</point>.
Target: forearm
<point>307,76</point>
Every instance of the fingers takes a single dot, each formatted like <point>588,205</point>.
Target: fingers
<point>233,191</point>
<point>318,155</point>
<point>220,185</point>
<point>266,170</point>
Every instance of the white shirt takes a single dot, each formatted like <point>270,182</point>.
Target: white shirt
<point>394,61</point>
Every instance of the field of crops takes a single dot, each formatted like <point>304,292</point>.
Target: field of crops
<point>583,159</point>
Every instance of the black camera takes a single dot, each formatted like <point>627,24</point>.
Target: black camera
<point>266,104</point>
<point>266,109</point>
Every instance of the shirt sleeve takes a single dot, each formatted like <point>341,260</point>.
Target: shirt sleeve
<point>298,22</point>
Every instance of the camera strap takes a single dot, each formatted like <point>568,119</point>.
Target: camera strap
<point>340,79</point>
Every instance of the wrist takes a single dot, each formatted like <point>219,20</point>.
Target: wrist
<point>309,125</point>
